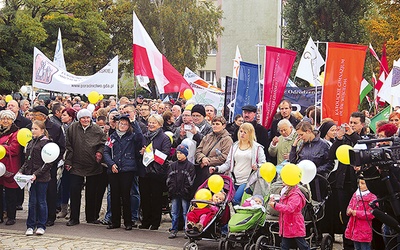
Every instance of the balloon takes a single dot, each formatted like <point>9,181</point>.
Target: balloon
<point>342,154</point>
<point>189,106</point>
<point>24,136</point>
<point>8,98</point>
<point>309,171</point>
<point>170,135</point>
<point>93,97</point>
<point>2,169</point>
<point>268,171</point>
<point>91,107</point>
<point>291,174</point>
<point>101,97</point>
<point>2,152</point>
<point>23,89</point>
<point>202,194</point>
<point>50,152</point>
<point>187,94</point>
<point>215,183</point>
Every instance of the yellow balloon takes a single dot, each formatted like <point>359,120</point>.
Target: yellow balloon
<point>24,136</point>
<point>215,183</point>
<point>2,152</point>
<point>170,135</point>
<point>187,94</point>
<point>8,98</point>
<point>101,97</point>
<point>93,97</point>
<point>342,154</point>
<point>291,174</point>
<point>268,171</point>
<point>189,106</point>
<point>202,194</point>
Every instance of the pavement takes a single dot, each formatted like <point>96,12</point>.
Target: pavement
<point>91,236</point>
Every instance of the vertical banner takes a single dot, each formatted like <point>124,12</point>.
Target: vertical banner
<point>247,89</point>
<point>343,76</point>
<point>278,64</point>
<point>230,93</point>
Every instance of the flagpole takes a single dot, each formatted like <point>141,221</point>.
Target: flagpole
<point>260,95</point>
<point>322,88</point>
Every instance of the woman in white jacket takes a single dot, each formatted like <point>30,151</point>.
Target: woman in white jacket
<point>245,156</point>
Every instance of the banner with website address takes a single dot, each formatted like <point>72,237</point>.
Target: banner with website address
<point>46,75</point>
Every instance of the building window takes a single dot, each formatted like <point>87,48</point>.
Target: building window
<point>212,52</point>
<point>208,75</point>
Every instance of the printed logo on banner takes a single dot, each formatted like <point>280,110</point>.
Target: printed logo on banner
<point>44,71</point>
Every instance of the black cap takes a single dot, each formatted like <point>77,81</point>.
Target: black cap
<point>41,109</point>
<point>140,96</point>
<point>198,108</point>
<point>250,108</point>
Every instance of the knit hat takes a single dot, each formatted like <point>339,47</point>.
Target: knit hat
<point>198,108</point>
<point>259,197</point>
<point>83,113</point>
<point>8,114</point>
<point>325,128</point>
<point>183,149</point>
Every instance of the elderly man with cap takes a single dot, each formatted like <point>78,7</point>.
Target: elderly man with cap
<point>56,134</point>
<point>249,113</point>
<point>200,126</point>
<point>85,145</point>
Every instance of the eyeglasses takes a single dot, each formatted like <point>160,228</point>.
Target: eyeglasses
<point>124,124</point>
<point>196,115</point>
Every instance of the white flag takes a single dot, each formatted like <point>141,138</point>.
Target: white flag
<point>59,53</point>
<point>390,90</point>
<point>236,63</point>
<point>310,63</point>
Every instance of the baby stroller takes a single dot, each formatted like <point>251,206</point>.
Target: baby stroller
<point>212,231</point>
<point>248,223</point>
<point>313,212</point>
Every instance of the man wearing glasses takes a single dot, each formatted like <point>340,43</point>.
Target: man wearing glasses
<point>144,113</point>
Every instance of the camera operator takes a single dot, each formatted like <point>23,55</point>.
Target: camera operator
<point>346,179</point>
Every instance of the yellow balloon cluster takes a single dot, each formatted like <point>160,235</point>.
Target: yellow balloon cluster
<point>187,94</point>
<point>268,171</point>
<point>215,183</point>
<point>202,194</point>
<point>2,152</point>
<point>93,97</point>
<point>291,174</point>
<point>342,154</point>
<point>24,136</point>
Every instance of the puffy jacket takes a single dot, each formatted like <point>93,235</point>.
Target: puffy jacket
<point>359,226</point>
<point>124,152</point>
<point>180,179</point>
<point>12,160</point>
<point>291,220</point>
<point>161,142</point>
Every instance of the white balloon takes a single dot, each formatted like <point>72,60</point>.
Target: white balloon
<point>23,90</point>
<point>50,152</point>
<point>191,144</point>
<point>91,107</point>
<point>309,171</point>
<point>2,169</point>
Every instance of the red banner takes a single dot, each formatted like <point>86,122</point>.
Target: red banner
<point>278,64</point>
<point>343,76</point>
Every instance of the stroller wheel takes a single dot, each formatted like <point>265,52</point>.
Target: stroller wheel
<point>261,243</point>
<point>221,245</point>
<point>247,246</point>
<point>327,242</point>
<point>228,245</point>
<point>190,246</point>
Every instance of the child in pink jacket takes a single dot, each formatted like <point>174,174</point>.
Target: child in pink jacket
<point>291,220</point>
<point>359,228</point>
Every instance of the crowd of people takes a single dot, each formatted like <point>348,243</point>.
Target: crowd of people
<point>133,151</point>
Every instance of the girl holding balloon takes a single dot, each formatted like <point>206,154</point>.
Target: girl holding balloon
<point>34,165</point>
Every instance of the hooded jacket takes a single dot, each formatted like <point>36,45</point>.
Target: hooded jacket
<point>12,159</point>
<point>180,179</point>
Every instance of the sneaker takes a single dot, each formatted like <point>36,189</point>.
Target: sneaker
<point>39,231</point>
<point>172,235</point>
<point>105,222</point>
<point>29,232</point>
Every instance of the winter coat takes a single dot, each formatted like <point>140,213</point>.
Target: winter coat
<point>57,136</point>
<point>161,142</point>
<point>283,146</point>
<point>359,226</point>
<point>12,159</point>
<point>33,160</point>
<point>124,152</point>
<point>214,146</point>
<point>82,146</point>
<point>180,179</point>
<point>291,220</point>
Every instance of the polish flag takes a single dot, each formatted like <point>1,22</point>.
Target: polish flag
<point>149,63</point>
<point>159,157</point>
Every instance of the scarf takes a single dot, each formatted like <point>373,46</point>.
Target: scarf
<point>201,125</point>
<point>120,133</point>
<point>150,135</point>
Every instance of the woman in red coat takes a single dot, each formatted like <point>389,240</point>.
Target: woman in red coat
<point>12,162</point>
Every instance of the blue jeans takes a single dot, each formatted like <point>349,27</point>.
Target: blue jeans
<point>135,199</point>
<point>177,204</point>
<point>37,210</point>
<point>300,241</point>
<point>238,194</point>
<point>107,216</point>
<point>362,245</point>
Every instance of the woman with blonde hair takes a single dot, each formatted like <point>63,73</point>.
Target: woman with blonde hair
<point>245,156</point>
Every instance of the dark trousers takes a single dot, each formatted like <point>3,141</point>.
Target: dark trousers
<point>20,196</point>
<point>101,186</point>
<point>91,196</point>
<point>11,201</point>
<point>344,197</point>
<point>51,197</point>
<point>151,191</point>
<point>120,185</point>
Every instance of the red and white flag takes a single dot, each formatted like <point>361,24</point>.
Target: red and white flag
<point>149,63</point>
<point>159,157</point>
<point>109,143</point>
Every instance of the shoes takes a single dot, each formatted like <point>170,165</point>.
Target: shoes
<point>64,211</point>
<point>144,226</point>
<point>105,222</point>
<point>10,222</point>
<point>190,225</point>
<point>172,235</point>
<point>19,207</point>
<point>94,222</point>
<point>72,222</point>
<point>134,224</point>
<point>128,227</point>
<point>49,223</point>
<point>199,227</point>
<point>29,232</point>
<point>153,228</point>
<point>113,226</point>
<point>39,231</point>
